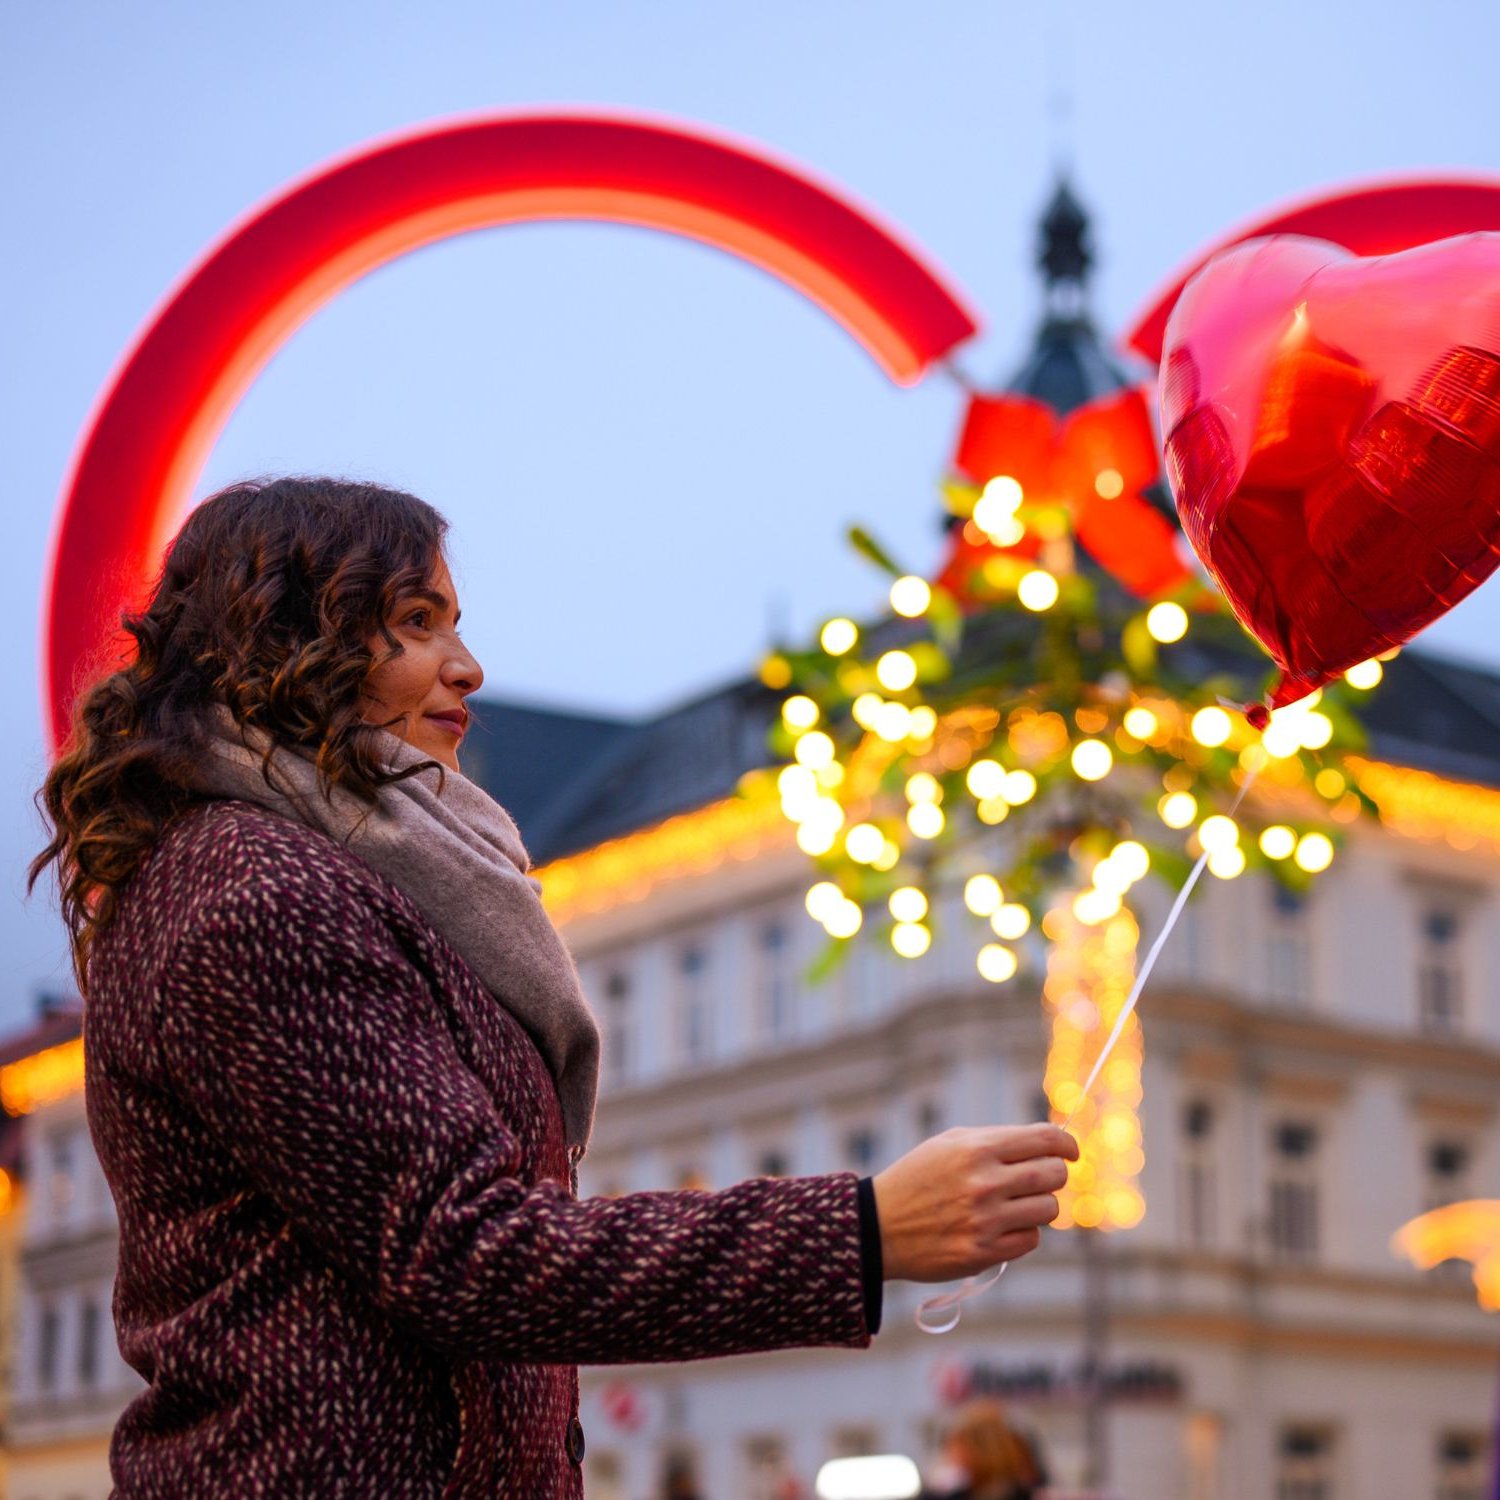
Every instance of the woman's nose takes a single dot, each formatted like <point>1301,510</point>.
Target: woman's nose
<point>462,670</point>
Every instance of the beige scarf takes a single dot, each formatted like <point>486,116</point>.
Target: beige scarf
<point>458,857</point>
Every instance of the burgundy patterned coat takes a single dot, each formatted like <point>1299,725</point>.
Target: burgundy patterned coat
<point>351,1263</point>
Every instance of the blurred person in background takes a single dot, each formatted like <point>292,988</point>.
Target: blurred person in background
<point>985,1458</point>
<point>340,1071</point>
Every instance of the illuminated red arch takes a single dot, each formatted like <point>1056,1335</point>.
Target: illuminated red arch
<point>1378,218</point>
<point>166,405</point>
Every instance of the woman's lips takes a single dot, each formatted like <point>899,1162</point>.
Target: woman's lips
<point>456,721</point>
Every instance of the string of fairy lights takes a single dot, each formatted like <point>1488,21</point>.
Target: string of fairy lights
<point>1041,784</point>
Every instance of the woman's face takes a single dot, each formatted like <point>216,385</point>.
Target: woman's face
<point>419,694</point>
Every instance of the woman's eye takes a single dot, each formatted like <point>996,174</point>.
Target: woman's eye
<point>419,618</point>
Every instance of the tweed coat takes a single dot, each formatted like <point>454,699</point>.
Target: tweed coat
<point>352,1260</point>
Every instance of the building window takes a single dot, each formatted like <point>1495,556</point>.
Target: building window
<point>1304,1464</point>
<point>773,961</point>
<point>1440,970</point>
<point>1446,1178</point>
<point>61,1186</point>
<point>772,1163</point>
<point>1462,1466</point>
<point>619,1038</point>
<point>1293,1221</point>
<point>861,1147</point>
<point>49,1332</point>
<point>1197,1207</point>
<point>88,1344</point>
<point>768,1473</point>
<point>1287,962</point>
<point>693,1016</point>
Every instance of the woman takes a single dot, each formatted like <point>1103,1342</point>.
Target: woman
<point>340,1070</point>
<point>992,1460</point>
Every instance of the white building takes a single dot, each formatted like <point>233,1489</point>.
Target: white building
<point>1315,1075</point>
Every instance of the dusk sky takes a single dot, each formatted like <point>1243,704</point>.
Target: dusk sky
<point>649,451</point>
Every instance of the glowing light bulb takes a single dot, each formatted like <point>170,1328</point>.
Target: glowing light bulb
<point>1166,622</point>
<point>796,783</point>
<point>1177,809</point>
<point>814,749</point>
<point>1227,863</point>
<point>893,722</point>
<point>1038,590</point>
<point>1092,760</point>
<point>986,778</point>
<point>1000,497</point>
<point>1141,723</point>
<point>982,894</point>
<point>908,904</point>
<point>865,843</point>
<point>1111,877</point>
<point>993,810</point>
<point>845,920</point>
<point>1211,726</point>
<point>923,787</point>
<point>923,723</point>
<point>910,596</point>
<point>1011,921</point>
<point>799,712</point>
<point>1330,783</point>
<point>822,898</point>
<point>866,708</point>
<point>996,963</point>
<point>1282,737</point>
<point>1315,730</point>
<point>1277,841</point>
<point>889,857</point>
<point>1095,906</point>
<point>1219,832</point>
<point>1020,787</point>
<point>1109,484</point>
<point>1314,852</point>
<point>838,636</point>
<point>1133,858</point>
<point>911,939</point>
<point>896,671</point>
<point>1365,676</point>
<point>925,819</point>
<point>815,837</point>
<point>776,672</point>
<point>1004,531</point>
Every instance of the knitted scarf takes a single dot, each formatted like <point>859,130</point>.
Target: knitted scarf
<point>457,856</point>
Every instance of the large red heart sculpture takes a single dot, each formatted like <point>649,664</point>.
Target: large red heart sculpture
<point>1333,440</point>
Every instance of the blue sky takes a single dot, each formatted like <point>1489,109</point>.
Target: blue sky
<point>648,451</point>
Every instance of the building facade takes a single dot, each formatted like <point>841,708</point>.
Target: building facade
<point>1316,1073</point>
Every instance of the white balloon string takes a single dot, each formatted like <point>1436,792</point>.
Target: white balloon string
<point>974,1285</point>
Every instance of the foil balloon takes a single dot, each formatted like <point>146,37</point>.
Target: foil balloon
<point>1333,441</point>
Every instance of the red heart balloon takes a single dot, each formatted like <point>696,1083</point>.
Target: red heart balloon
<point>1333,440</point>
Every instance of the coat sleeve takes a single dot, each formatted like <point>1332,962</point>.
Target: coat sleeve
<point>313,1050</point>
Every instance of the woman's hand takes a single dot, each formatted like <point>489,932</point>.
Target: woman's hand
<point>970,1198</point>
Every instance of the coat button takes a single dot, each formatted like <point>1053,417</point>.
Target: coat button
<point>575,1443</point>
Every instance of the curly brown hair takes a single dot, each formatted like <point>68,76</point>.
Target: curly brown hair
<point>268,602</point>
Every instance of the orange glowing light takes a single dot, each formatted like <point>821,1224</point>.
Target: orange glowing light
<point>1462,1231</point>
<point>42,1078</point>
